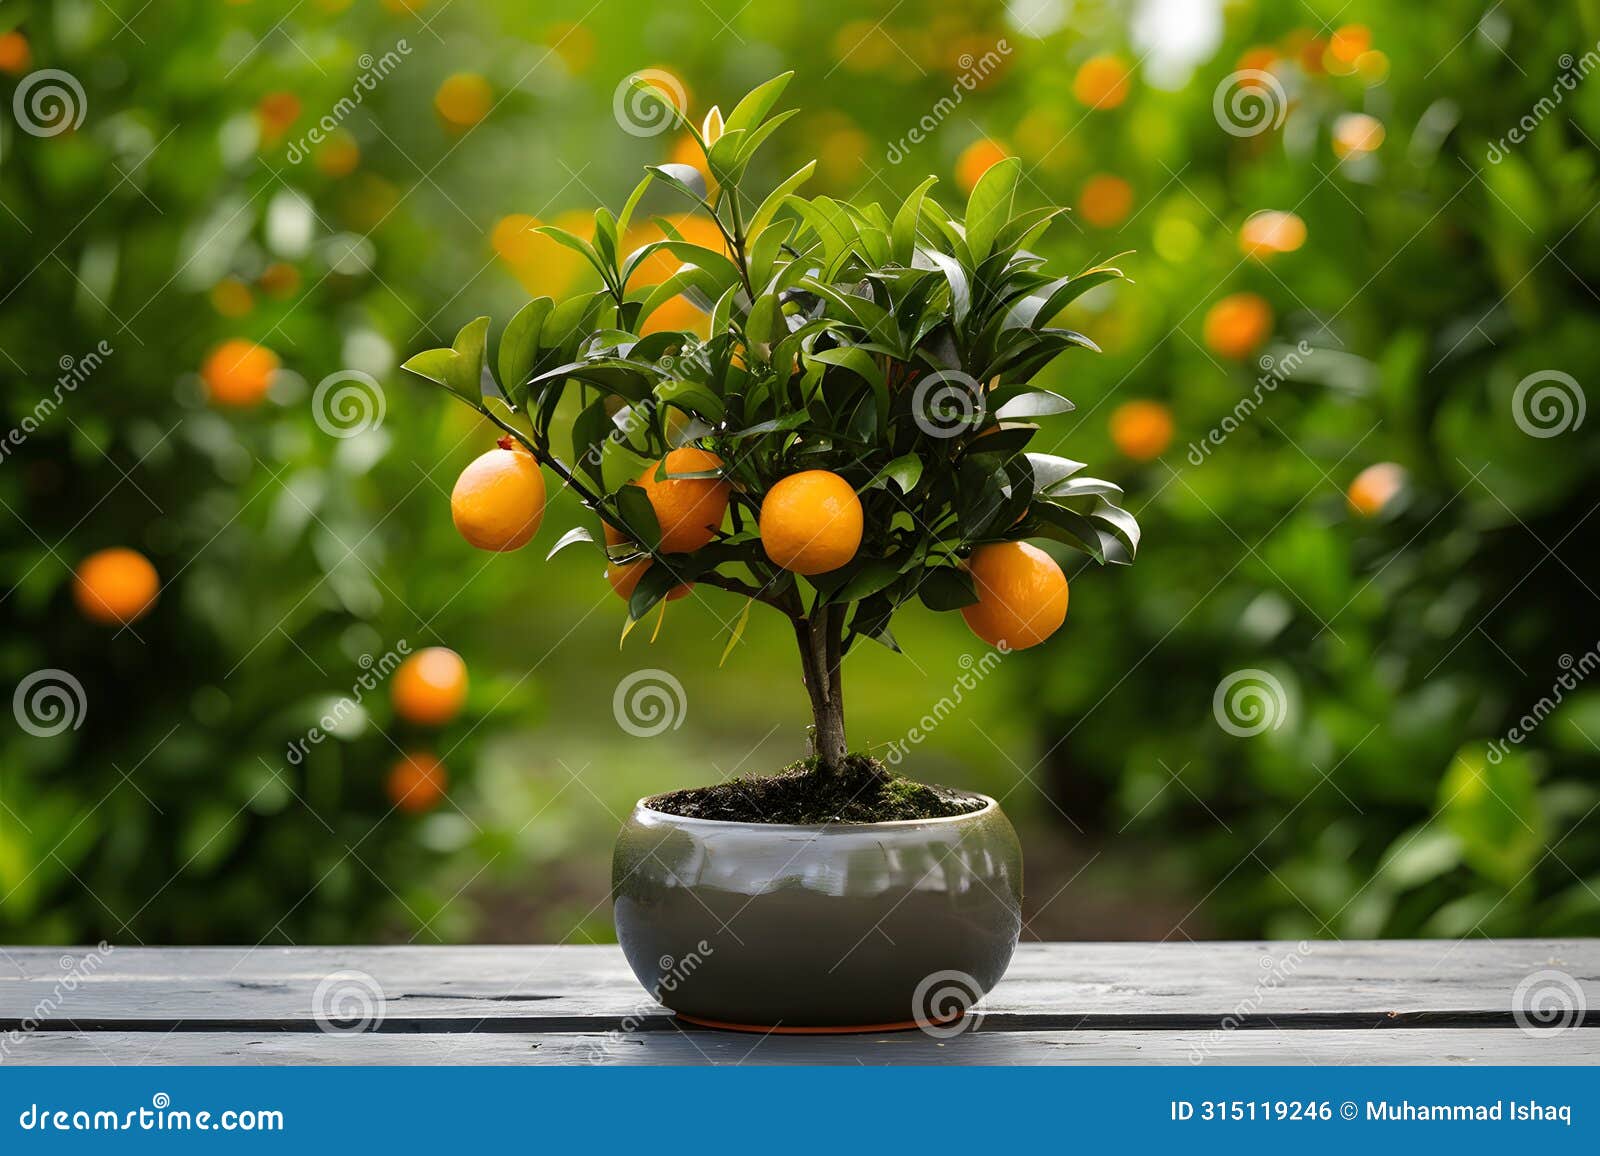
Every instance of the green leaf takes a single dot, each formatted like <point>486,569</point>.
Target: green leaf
<point>905,471</point>
<point>571,538</point>
<point>1030,403</point>
<point>904,234</point>
<point>752,110</point>
<point>989,207</point>
<point>1049,470</point>
<point>460,368</point>
<point>519,345</point>
<point>774,201</point>
<point>738,631</point>
<point>872,577</point>
<point>960,286</point>
<point>639,516</point>
<point>578,245</point>
<point>946,588</point>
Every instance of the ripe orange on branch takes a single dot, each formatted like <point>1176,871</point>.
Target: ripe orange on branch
<point>498,500</point>
<point>115,586</point>
<point>1022,595</point>
<point>430,686</point>
<point>811,522</point>
<point>689,510</point>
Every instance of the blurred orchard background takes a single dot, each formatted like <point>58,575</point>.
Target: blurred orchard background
<point>1341,693</point>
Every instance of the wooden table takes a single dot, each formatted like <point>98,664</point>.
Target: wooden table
<point>1425,1002</point>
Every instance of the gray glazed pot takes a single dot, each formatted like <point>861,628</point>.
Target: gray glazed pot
<point>808,928</point>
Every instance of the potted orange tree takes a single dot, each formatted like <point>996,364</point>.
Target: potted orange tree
<point>851,435</point>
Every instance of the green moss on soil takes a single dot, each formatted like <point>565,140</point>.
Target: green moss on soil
<point>862,791</point>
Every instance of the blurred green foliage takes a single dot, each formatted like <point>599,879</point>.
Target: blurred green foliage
<point>1440,269</point>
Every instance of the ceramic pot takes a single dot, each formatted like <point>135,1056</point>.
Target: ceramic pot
<point>841,926</point>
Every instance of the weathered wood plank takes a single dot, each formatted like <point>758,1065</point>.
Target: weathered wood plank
<point>577,988</point>
<point>1421,1046</point>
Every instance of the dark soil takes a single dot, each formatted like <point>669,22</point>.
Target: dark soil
<point>862,791</point>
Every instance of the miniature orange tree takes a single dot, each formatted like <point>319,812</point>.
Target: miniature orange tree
<point>851,436</point>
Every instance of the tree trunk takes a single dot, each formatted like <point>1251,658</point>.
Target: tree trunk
<point>821,644</point>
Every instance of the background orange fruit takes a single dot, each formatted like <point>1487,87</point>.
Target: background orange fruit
<point>1142,429</point>
<point>1022,595</point>
<point>689,510</point>
<point>417,782</point>
<point>976,159</point>
<point>1105,201</point>
<point>464,99</point>
<point>498,501</point>
<point>115,586</point>
<point>1237,325</point>
<point>238,372</point>
<point>811,522</point>
<point>430,686</point>
<point>1102,81</point>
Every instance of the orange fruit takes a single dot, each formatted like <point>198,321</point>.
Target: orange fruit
<point>689,510</point>
<point>1022,595</point>
<point>115,586</point>
<point>1374,488</point>
<point>1102,81</point>
<point>1105,201</point>
<point>498,501</point>
<point>976,159</point>
<point>238,373</point>
<point>1269,232</point>
<point>1142,430</point>
<point>430,687</point>
<point>15,55</point>
<point>417,782</point>
<point>464,99</point>
<point>811,522</point>
<point>1237,325</point>
<point>624,576</point>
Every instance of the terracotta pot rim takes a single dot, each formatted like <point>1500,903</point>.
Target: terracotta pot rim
<point>990,807</point>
